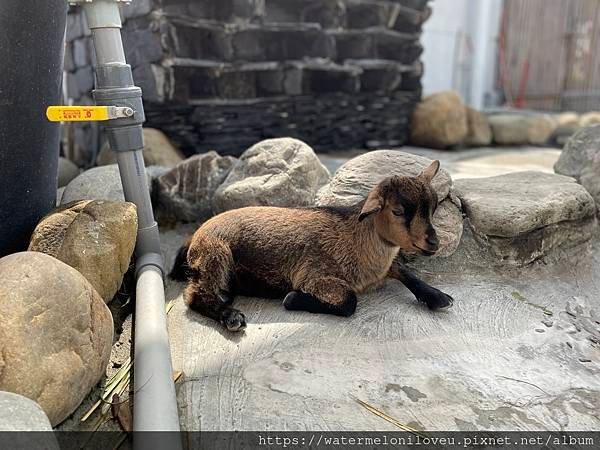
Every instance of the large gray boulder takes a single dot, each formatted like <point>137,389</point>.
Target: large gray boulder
<point>521,216</point>
<point>95,237</point>
<point>274,172</point>
<point>439,121</point>
<point>186,192</point>
<point>99,183</point>
<point>353,181</point>
<point>580,159</point>
<point>55,333</point>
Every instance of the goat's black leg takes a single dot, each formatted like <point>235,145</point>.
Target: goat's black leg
<point>215,307</point>
<point>432,297</point>
<point>325,295</point>
<point>210,265</point>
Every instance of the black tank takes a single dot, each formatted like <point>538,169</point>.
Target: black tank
<point>31,64</point>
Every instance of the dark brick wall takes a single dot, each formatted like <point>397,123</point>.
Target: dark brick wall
<point>336,73</point>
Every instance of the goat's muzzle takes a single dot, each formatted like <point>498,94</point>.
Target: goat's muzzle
<point>432,244</point>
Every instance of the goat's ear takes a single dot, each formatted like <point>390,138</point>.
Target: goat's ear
<point>373,204</point>
<point>430,172</point>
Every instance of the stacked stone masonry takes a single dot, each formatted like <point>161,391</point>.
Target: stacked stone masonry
<point>222,74</point>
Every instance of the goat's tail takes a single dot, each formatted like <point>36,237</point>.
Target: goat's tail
<point>181,269</point>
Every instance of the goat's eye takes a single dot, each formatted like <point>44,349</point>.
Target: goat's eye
<point>398,213</point>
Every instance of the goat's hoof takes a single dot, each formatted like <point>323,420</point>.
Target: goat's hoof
<point>295,301</point>
<point>437,300</point>
<point>234,320</point>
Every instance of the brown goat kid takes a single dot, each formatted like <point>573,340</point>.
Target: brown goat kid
<point>320,257</point>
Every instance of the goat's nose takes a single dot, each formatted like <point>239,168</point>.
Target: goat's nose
<point>433,240</point>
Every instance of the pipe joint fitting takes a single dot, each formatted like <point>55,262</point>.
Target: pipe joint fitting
<point>148,248</point>
<point>115,88</point>
<point>149,259</point>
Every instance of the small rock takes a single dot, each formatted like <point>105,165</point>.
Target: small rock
<point>518,129</point>
<point>548,322</point>
<point>439,121</point>
<point>540,330</point>
<point>590,118</point>
<point>567,124</point>
<point>540,129</point>
<point>567,118</point>
<point>67,171</point>
<point>480,131</point>
<point>95,237</point>
<point>274,172</point>
<point>55,333</point>
<point>99,183</point>
<point>186,192</point>
<point>509,129</point>
<point>158,151</point>
<point>581,159</point>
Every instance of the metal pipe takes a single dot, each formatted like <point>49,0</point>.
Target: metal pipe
<point>155,404</point>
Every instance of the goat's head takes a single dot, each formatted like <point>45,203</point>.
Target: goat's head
<point>402,209</point>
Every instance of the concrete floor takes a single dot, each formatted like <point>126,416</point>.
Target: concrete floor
<point>518,351</point>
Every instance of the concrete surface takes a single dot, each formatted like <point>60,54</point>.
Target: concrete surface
<point>472,162</point>
<point>518,351</point>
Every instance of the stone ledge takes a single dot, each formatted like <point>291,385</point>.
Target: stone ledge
<point>517,218</point>
<point>512,204</point>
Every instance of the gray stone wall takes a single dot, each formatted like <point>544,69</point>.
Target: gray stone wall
<point>221,74</point>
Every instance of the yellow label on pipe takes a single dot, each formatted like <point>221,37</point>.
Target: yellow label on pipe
<point>77,113</point>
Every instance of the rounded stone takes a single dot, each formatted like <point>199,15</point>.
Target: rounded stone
<point>55,333</point>
<point>274,172</point>
<point>480,131</point>
<point>158,151</point>
<point>95,237</point>
<point>580,159</point>
<point>67,171</point>
<point>353,181</point>
<point>439,121</point>
<point>18,413</point>
<point>186,192</point>
<point>99,183</point>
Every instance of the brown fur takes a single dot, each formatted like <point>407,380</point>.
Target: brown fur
<point>320,257</point>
